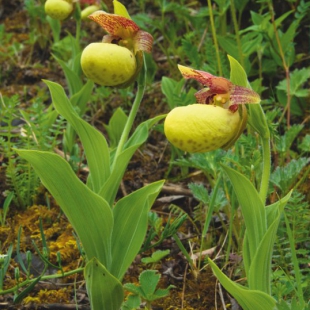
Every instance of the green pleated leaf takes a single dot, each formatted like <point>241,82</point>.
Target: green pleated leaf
<point>104,290</point>
<point>89,214</point>
<point>130,222</point>
<point>94,143</point>
<point>73,80</point>
<point>260,269</point>
<point>116,126</point>
<point>81,98</point>
<point>247,299</point>
<point>273,210</point>
<point>110,188</point>
<point>252,207</point>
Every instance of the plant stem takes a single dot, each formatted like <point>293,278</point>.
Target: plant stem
<point>53,276</point>
<point>266,169</point>
<point>183,250</point>
<point>236,28</point>
<point>284,63</point>
<point>132,114</point>
<point>209,216</point>
<point>217,51</point>
<point>295,261</point>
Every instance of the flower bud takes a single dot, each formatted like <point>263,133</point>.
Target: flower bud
<point>89,10</point>
<point>201,128</point>
<point>108,64</point>
<point>58,9</point>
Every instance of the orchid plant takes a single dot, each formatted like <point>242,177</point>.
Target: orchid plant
<point>111,232</point>
<point>216,121</point>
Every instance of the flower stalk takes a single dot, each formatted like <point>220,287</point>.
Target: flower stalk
<point>141,81</point>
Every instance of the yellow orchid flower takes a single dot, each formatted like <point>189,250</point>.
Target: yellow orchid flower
<point>216,120</point>
<point>117,60</point>
<point>59,9</point>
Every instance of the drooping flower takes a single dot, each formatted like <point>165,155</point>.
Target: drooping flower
<point>117,60</point>
<point>216,120</point>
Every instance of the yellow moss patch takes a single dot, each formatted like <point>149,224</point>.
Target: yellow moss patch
<point>62,295</point>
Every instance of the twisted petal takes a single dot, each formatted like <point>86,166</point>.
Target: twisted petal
<point>243,95</point>
<point>115,25</point>
<point>143,41</point>
<point>120,27</point>
<point>219,85</point>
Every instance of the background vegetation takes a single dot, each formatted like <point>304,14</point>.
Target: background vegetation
<point>270,40</point>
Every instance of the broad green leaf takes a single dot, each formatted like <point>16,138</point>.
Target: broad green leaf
<point>228,44</point>
<point>148,280</point>
<point>94,143</point>
<point>81,98</point>
<point>258,273</point>
<point>141,133</point>
<point>260,269</point>
<point>246,254</point>
<point>252,207</point>
<point>273,209</point>
<point>287,39</point>
<point>116,126</point>
<point>278,23</point>
<point>130,225</point>
<point>104,290</point>
<point>110,188</point>
<point>258,19</point>
<point>73,80</point>
<point>89,214</point>
<point>250,46</point>
<point>247,299</point>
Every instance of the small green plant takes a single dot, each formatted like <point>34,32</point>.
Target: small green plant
<point>159,230</point>
<point>5,208</point>
<point>297,92</point>
<point>156,257</point>
<point>145,291</point>
<point>4,264</point>
<point>33,129</point>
